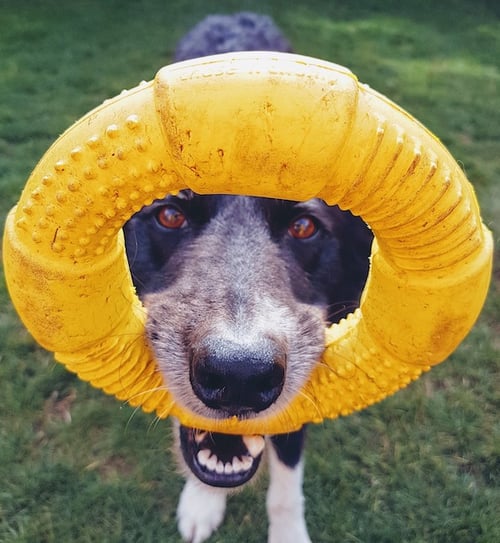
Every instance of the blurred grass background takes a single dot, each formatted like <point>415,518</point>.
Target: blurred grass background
<point>422,466</point>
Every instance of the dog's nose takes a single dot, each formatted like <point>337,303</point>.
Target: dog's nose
<point>238,378</point>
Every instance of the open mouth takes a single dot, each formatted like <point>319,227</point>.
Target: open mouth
<point>221,460</point>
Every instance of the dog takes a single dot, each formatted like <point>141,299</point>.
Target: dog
<point>238,292</point>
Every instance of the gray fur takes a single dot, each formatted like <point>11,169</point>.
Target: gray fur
<point>243,31</point>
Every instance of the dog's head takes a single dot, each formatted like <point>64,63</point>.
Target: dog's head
<point>238,291</point>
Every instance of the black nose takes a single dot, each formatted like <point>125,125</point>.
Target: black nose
<point>238,378</point>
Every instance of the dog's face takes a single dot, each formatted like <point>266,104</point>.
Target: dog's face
<point>238,292</point>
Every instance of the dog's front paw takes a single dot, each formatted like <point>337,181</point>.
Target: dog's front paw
<point>286,530</point>
<point>285,503</point>
<point>200,511</point>
<point>286,518</point>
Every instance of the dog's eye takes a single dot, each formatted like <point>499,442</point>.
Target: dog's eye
<point>171,217</point>
<point>303,227</point>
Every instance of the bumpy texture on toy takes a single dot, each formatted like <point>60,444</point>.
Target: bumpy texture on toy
<point>275,125</point>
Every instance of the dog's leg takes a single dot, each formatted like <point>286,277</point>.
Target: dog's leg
<point>200,511</point>
<point>285,501</point>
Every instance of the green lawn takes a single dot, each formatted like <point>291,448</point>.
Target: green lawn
<point>424,465</point>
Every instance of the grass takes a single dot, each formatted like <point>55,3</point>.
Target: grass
<point>422,466</point>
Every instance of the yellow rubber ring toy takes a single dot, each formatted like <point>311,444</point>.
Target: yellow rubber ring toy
<point>261,124</point>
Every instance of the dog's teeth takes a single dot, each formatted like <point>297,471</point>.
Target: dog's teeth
<point>199,436</point>
<point>212,463</point>
<point>203,456</point>
<point>237,465</point>
<point>246,462</point>
<point>254,444</point>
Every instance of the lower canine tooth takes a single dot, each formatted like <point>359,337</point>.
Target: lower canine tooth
<point>247,462</point>
<point>203,456</point>
<point>237,465</point>
<point>212,463</point>
<point>254,444</point>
